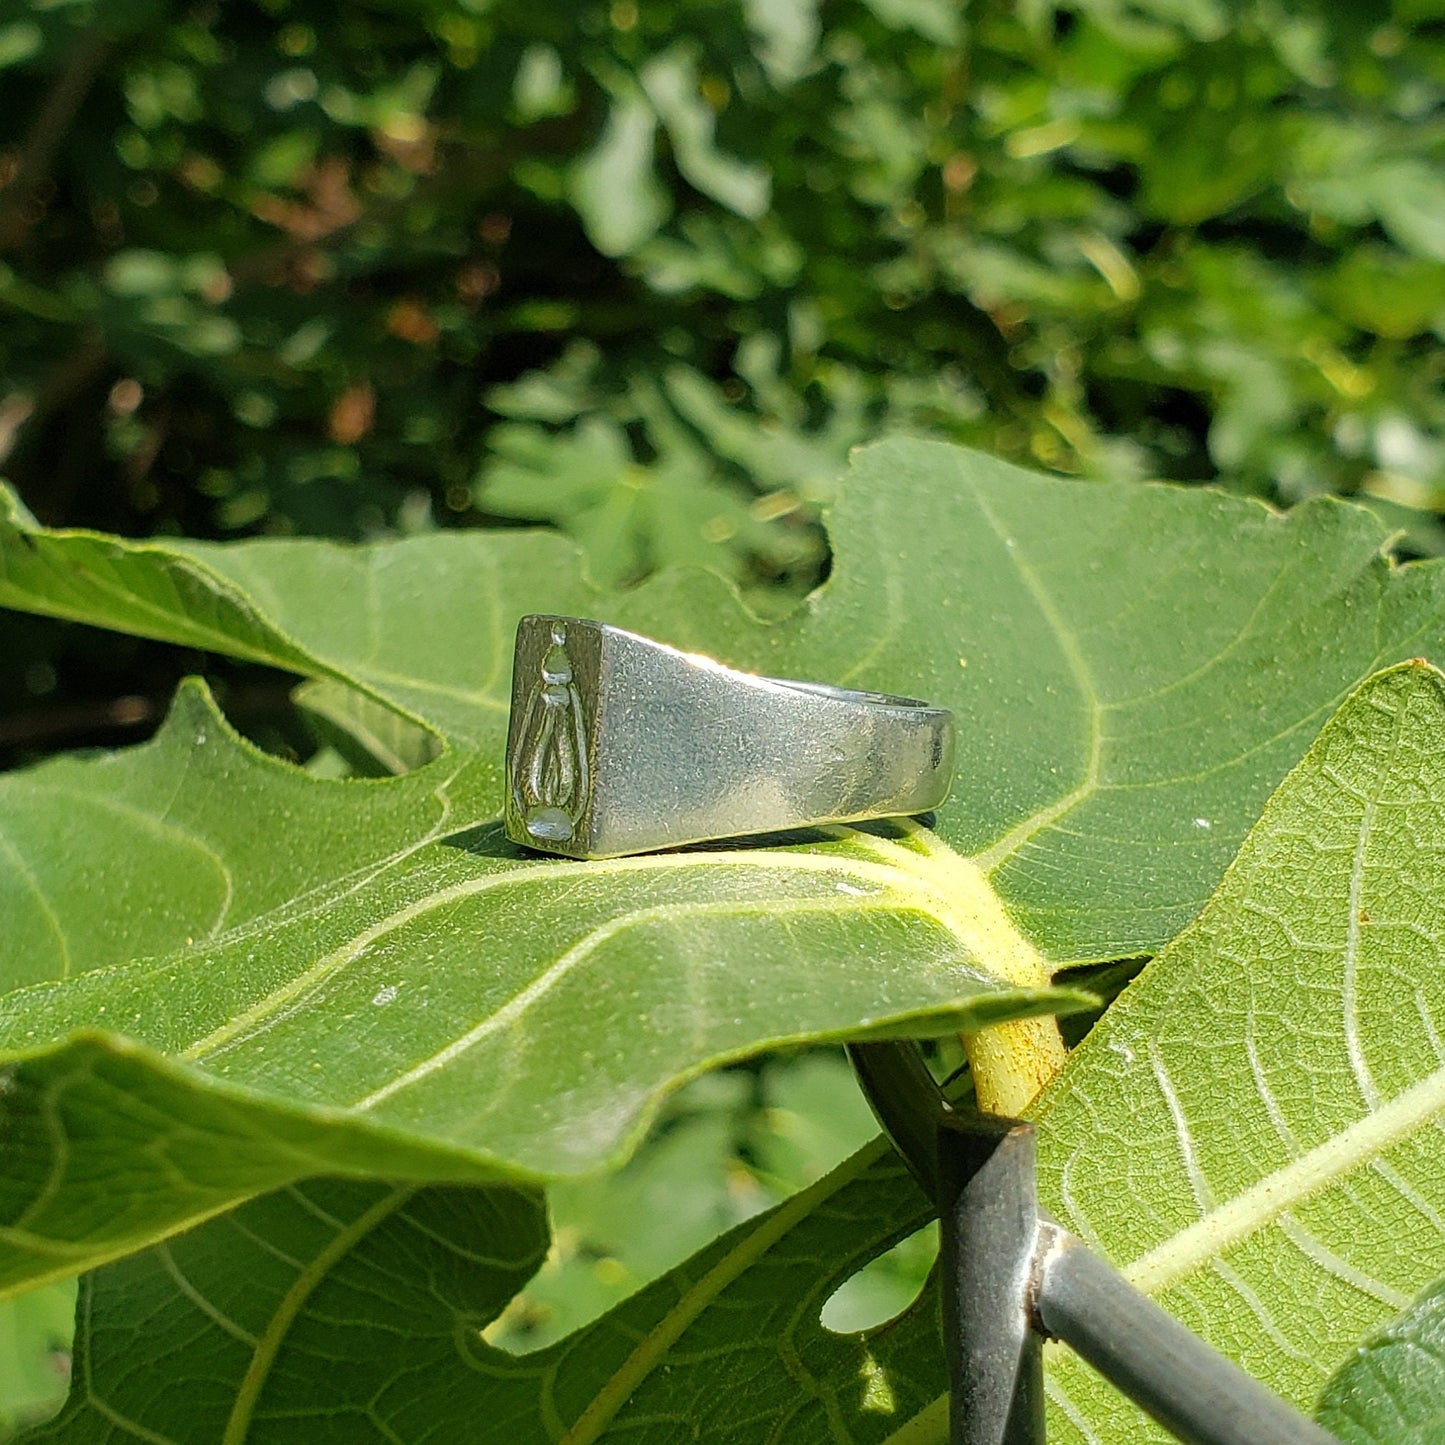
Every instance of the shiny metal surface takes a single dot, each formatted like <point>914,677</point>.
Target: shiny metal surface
<point>1194,1392</point>
<point>620,745</point>
<point>988,1212</point>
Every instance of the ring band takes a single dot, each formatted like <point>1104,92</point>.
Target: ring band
<point>619,744</point>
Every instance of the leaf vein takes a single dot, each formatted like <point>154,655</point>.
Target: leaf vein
<point>1269,1197</point>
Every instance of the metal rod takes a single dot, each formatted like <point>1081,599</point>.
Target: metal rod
<point>988,1208</point>
<point>906,1101</point>
<point>1168,1371</point>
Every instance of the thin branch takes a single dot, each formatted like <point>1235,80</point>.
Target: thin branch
<point>58,725</point>
<point>46,132</point>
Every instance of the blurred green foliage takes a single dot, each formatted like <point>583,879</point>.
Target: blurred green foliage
<point>35,1332</point>
<point>647,271</point>
<point>729,1145</point>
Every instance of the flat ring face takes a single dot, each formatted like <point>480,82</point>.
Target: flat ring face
<point>621,745</point>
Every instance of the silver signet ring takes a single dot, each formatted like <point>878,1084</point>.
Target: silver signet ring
<point>620,745</point>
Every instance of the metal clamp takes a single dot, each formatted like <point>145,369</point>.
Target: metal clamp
<point>1011,1276</point>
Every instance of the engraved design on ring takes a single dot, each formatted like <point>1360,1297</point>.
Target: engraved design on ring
<point>548,763</point>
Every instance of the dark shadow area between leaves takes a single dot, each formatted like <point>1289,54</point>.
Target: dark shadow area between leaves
<point>65,686</point>
<point>489,840</point>
<point>1106,980</point>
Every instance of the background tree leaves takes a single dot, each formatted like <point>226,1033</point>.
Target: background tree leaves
<point>324,238</point>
